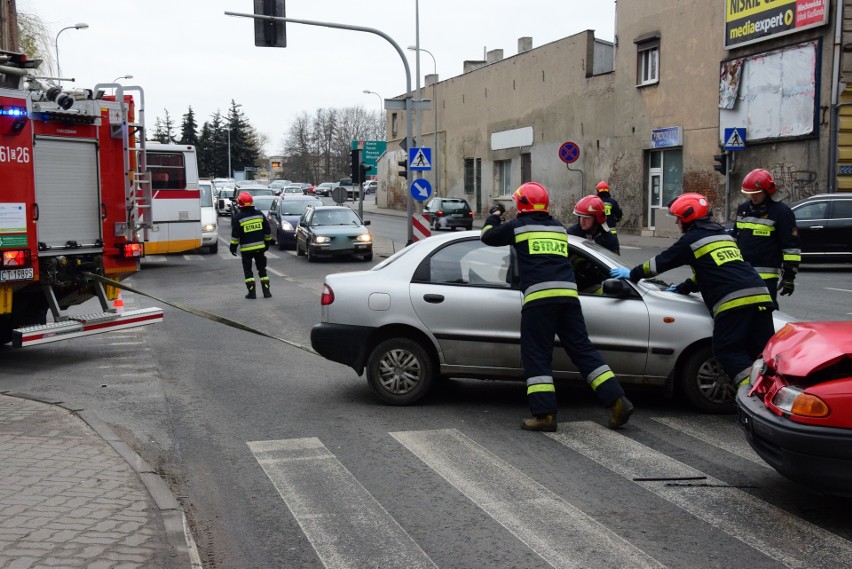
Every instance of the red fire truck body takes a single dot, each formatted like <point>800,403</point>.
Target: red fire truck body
<point>70,203</point>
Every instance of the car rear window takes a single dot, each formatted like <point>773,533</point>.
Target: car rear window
<point>454,207</point>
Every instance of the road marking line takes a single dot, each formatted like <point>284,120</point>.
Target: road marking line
<point>838,289</point>
<point>714,431</point>
<point>272,255</point>
<point>799,544</point>
<point>562,535</point>
<point>274,272</point>
<point>346,526</point>
<point>193,257</point>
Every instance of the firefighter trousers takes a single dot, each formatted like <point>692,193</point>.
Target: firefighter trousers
<point>259,258</point>
<point>539,324</point>
<point>739,336</point>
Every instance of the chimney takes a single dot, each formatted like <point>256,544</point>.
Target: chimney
<point>473,65</point>
<point>494,55</point>
<point>524,44</point>
<point>431,79</point>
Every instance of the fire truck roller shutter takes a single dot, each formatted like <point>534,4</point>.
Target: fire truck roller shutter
<point>67,193</point>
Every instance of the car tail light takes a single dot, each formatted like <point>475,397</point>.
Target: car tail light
<point>794,401</point>
<point>16,258</point>
<point>327,295</point>
<point>470,214</point>
<point>439,213</point>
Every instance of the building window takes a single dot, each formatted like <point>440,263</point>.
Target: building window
<point>504,177</point>
<point>648,59</point>
<point>469,180</point>
<point>394,124</point>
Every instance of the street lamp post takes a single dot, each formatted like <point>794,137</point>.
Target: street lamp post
<point>122,77</point>
<point>80,26</point>
<point>434,114</point>
<point>381,107</point>
<point>230,172</point>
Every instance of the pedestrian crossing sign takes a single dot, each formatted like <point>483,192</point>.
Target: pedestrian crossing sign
<point>420,158</point>
<point>735,139</point>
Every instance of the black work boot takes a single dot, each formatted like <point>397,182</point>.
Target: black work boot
<point>621,411</point>
<point>545,423</point>
<point>251,291</point>
<point>264,285</point>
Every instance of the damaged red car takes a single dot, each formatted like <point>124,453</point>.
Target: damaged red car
<point>797,409</point>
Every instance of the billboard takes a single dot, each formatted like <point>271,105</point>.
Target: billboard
<point>752,21</point>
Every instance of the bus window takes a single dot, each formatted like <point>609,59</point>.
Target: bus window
<point>168,170</point>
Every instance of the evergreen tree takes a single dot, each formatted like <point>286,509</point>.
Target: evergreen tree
<point>188,129</point>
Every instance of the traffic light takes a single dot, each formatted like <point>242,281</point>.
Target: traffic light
<point>721,163</point>
<point>365,168</point>
<point>355,167</point>
<point>270,33</point>
<point>404,171</point>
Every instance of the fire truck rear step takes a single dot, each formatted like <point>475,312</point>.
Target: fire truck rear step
<point>84,325</point>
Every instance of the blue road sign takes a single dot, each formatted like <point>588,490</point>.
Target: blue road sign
<point>419,158</point>
<point>735,139</point>
<point>569,152</point>
<point>420,189</point>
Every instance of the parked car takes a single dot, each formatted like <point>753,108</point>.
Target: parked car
<point>279,185</point>
<point>224,194</point>
<point>449,213</point>
<point>263,203</point>
<point>209,217</point>
<point>333,231</point>
<point>797,410</point>
<point>284,217</point>
<point>825,227</point>
<point>370,186</point>
<point>307,189</point>
<point>450,306</point>
<point>325,189</point>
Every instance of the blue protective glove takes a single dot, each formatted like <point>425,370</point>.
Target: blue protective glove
<point>672,288</point>
<point>619,273</point>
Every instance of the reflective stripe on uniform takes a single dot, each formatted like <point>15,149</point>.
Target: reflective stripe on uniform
<point>759,226</point>
<point>768,272</point>
<point>600,375</point>
<point>742,297</point>
<point>550,289</point>
<point>792,255</point>
<point>540,384</point>
<point>649,268</point>
<point>710,244</point>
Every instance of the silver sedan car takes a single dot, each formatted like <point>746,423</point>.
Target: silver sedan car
<point>450,306</point>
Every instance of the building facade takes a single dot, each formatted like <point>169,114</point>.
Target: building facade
<point>650,113</point>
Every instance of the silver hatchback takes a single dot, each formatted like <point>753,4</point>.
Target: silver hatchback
<point>450,306</point>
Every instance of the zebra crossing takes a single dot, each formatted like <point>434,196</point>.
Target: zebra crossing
<point>348,527</point>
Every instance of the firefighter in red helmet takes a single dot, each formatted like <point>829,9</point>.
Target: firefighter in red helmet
<point>766,232</point>
<point>251,234</point>
<point>732,290</point>
<point>613,211</point>
<point>550,307</point>
<point>592,223</point>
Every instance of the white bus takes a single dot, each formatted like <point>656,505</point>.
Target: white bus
<point>175,203</point>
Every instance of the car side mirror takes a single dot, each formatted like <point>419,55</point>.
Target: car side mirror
<point>618,288</point>
<point>303,223</point>
<point>367,222</point>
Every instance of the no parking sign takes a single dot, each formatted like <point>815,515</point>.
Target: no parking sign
<point>569,152</point>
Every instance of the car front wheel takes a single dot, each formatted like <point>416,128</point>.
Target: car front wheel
<point>705,385</point>
<point>400,371</point>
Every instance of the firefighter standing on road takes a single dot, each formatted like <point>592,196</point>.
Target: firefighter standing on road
<point>551,306</point>
<point>613,211</point>
<point>767,234</point>
<point>250,232</point>
<point>592,224</point>
<point>733,291</point>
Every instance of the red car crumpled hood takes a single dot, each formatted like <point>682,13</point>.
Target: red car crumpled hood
<point>802,348</point>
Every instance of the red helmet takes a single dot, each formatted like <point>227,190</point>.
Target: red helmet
<point>603,186</point>
<point>531,196</point>
<point>245,199</point>
<point>757,181</point>
<point>591,206</point>
<point>689,207</point>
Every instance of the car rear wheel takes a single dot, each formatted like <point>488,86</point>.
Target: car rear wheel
<point>705,385</point>
<point>400,371</point>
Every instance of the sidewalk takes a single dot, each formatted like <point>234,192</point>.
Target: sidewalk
<point>72,494</point>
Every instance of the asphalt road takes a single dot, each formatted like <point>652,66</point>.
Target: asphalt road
<point>283,459</point>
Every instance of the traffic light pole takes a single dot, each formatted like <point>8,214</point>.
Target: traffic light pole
<point>409,107</point>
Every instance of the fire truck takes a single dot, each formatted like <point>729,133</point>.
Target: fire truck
<point>75,200</point>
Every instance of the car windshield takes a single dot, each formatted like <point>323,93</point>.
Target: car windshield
<point>296,207</point>
<point>336,217</point>
<point>263,203</point>
<point>206,191</point>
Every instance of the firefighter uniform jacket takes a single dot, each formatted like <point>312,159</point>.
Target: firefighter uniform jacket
<point>601,235</point>
<point>725,280</point>
<point>769,239</point>
<point>250,230</point>
<point>611,209</point>
<point>542,246</point>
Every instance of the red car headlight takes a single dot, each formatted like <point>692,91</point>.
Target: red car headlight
<point>795,401</point>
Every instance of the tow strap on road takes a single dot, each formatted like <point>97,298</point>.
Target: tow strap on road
<point>199,312</point>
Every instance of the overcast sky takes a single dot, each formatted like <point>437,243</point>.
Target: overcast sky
<point>187,52</point>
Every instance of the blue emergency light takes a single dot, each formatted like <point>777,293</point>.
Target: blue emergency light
<point>12,111</point>
<point>12,119</point>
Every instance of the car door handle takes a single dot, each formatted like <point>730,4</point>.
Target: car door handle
<point>815,227</point>
<point>433,298</point>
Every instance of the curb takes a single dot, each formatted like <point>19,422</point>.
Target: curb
<point>174,519</point>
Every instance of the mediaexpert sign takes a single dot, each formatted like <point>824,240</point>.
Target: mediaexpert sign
<point>752,21</point>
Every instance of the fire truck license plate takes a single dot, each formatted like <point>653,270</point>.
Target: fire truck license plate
<point>16,275</point>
